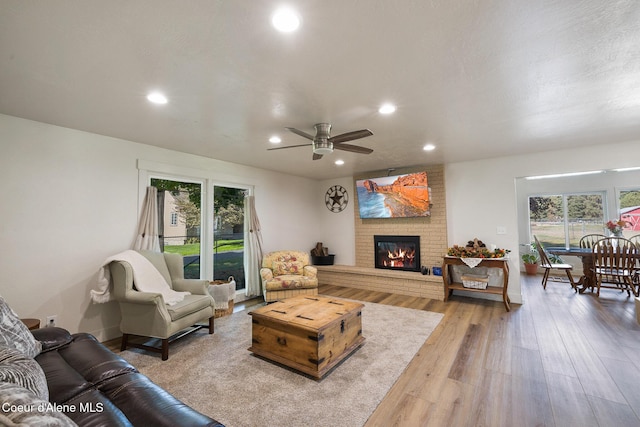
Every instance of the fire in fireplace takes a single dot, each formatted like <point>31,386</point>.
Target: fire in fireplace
<point>397,252</point>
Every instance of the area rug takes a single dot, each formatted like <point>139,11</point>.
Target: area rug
<point>218,376</point>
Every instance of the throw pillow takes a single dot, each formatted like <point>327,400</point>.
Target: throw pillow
<point>287,267</point>
<point>24,371</point>
<point>20,407</point>
<point>14,333</point>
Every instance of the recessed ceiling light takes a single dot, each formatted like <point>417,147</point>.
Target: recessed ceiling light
<point>429,147</point>
<point>275,140</point>
<point>387,109</point>
<point>157,98</point>
<point>339,162</point>
<point>285,20</point>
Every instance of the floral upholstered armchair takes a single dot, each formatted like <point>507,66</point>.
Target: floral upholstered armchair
<point>287,273</point>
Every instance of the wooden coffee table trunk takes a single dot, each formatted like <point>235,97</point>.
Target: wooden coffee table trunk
<point>311,334</point>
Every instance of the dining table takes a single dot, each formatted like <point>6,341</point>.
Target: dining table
<point>588,278</point>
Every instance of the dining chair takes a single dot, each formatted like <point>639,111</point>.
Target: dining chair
<point>636,277</point>
<point>587,241</point>
<point>548,266</point>
<point>614,262</point>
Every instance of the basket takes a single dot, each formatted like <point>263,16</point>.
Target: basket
<point>475,281</point>
<point>220,312</point>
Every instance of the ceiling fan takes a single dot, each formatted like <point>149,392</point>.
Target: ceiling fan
<point>323,143</point>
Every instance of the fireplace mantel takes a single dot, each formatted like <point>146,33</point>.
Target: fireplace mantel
<point>375,279</point>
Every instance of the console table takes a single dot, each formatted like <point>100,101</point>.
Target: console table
<point>450,285</point>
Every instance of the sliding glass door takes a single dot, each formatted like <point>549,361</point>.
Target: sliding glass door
<point>211,241</point>
<point>228,234</point>
<point>180,218</point>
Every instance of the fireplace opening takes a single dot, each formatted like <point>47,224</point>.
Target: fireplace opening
<point>397,252</point>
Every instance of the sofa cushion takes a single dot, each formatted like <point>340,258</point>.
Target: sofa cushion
<point>98,410</point>
<point>268,259</point>
<point>93,360</point>
<point>281,268</point>
<point>17,368</point>
<point>14,333</point>
<point>146,404</point>
<point>158,261</point>
<point>63,380</point>
<point>290,282</point>
<point>190,304</point>
<point>21,407</point>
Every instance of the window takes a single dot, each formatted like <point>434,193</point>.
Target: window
<point>174,219</point>
<point>562,219</point>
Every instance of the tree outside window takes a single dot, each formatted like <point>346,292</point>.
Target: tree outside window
<point>562,219</point>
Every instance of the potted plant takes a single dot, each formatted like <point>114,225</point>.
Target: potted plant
<point>530,260</point>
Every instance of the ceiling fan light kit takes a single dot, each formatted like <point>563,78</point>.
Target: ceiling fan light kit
<point>322,147</point>
<point>322,143</point>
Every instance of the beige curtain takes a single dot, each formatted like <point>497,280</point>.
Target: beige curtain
<point>253,250</point>
<point>147,238</point>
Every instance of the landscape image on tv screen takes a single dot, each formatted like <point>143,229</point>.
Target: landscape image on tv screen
<point>397,196</point>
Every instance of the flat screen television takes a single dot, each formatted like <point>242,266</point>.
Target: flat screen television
<point>396,196</point>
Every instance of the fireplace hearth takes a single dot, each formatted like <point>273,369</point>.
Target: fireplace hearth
<point>397,252</point>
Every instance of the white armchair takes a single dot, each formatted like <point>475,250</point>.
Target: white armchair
<point>146,314</point>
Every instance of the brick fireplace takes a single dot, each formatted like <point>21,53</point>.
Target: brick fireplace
<point>432,232</point>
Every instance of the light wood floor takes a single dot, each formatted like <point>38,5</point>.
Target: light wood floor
<point>561,359</point>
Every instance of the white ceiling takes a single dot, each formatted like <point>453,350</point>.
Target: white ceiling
<point>477,78</point>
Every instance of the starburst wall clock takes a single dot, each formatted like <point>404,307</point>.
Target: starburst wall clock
<point>336,198</point>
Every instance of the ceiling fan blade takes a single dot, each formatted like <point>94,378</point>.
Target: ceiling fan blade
<point>350,136</point>
<point>317,156</point>
<point>352,148</point>
<point>289,146</point>
<point>299,132</point>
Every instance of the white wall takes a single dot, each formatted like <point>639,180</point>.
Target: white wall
<point>338,229</point>
<point>70,199</point>
<point>481,194</point>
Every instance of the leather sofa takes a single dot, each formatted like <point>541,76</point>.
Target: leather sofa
<point>95,387</point>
